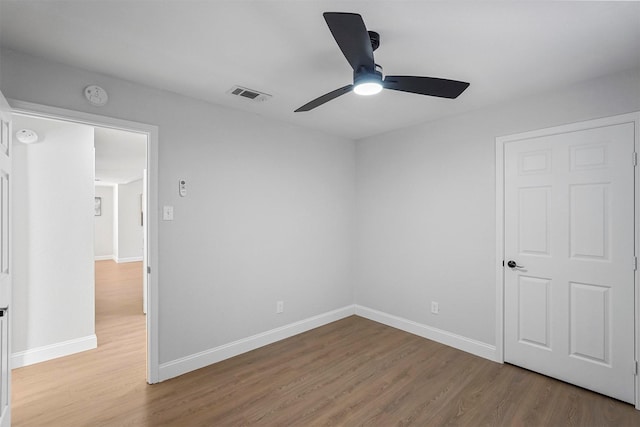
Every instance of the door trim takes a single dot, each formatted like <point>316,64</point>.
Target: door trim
<point>500,144</point>
<point>46,111</point>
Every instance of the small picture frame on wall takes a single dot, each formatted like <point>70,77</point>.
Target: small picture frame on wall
<point>98,206</point>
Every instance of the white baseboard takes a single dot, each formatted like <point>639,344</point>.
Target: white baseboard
<point>204,358</point>
<point>118,260</point>
<point>53,351</point>
<point>130,259</point>
<point>452,340</point>
<point>199,360</point>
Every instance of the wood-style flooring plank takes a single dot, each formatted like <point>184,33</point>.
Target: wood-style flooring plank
<point>353,372</point>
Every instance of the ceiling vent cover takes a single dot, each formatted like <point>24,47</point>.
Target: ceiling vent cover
<point>250,94</point>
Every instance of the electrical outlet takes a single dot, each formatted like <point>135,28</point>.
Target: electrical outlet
<point>435,308</point>
<point>279,306</point>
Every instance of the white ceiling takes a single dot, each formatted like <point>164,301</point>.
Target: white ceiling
<point>506,49</point>
<point>121,156</point>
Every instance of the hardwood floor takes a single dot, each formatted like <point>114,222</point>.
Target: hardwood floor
<point>349,373</point>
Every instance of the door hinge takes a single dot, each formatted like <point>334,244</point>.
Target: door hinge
<point>148,270</point>
<point>635,159</point>
<point>635,368</point>
<point>635,263</point>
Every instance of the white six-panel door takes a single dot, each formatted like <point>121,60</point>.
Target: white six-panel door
<point>5,270</point>
<point>568,226</point>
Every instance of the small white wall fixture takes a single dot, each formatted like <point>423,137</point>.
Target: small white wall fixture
<point>43,111</point>
<point>500,144</point>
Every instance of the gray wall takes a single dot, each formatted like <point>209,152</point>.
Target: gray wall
<point>426,205</point>
<point>276,212</point>
<point>268,217</point>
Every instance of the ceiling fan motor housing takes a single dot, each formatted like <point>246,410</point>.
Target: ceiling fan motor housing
<point>362,75</point>
<point>375,39</point>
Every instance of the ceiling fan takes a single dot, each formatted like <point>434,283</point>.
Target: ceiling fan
<point>357,45</point>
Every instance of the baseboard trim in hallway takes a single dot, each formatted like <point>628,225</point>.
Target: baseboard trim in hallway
<point>53,351</point>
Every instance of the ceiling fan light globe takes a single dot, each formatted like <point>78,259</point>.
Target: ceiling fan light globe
<point>367,88</point>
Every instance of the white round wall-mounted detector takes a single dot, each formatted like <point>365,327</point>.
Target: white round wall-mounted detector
<point>96,95</point>
<point>26,136</point>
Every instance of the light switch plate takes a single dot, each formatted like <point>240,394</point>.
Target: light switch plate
<point>167,213</point>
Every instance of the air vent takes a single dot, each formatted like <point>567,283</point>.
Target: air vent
<point>250,94</point>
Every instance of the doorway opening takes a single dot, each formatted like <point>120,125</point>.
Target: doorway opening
<point>116,190</point>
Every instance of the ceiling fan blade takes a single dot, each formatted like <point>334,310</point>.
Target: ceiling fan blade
<point>352,37</point>
<point>324,98</point>
<point>431,86</point>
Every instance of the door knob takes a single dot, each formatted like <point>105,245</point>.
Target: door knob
<point>513,264</point>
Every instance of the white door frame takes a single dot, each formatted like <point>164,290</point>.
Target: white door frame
<point>7,286</point>
<point>45,111</point>
<point>500,143</point>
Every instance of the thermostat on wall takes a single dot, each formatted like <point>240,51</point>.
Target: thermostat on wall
<point>96,95</point>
